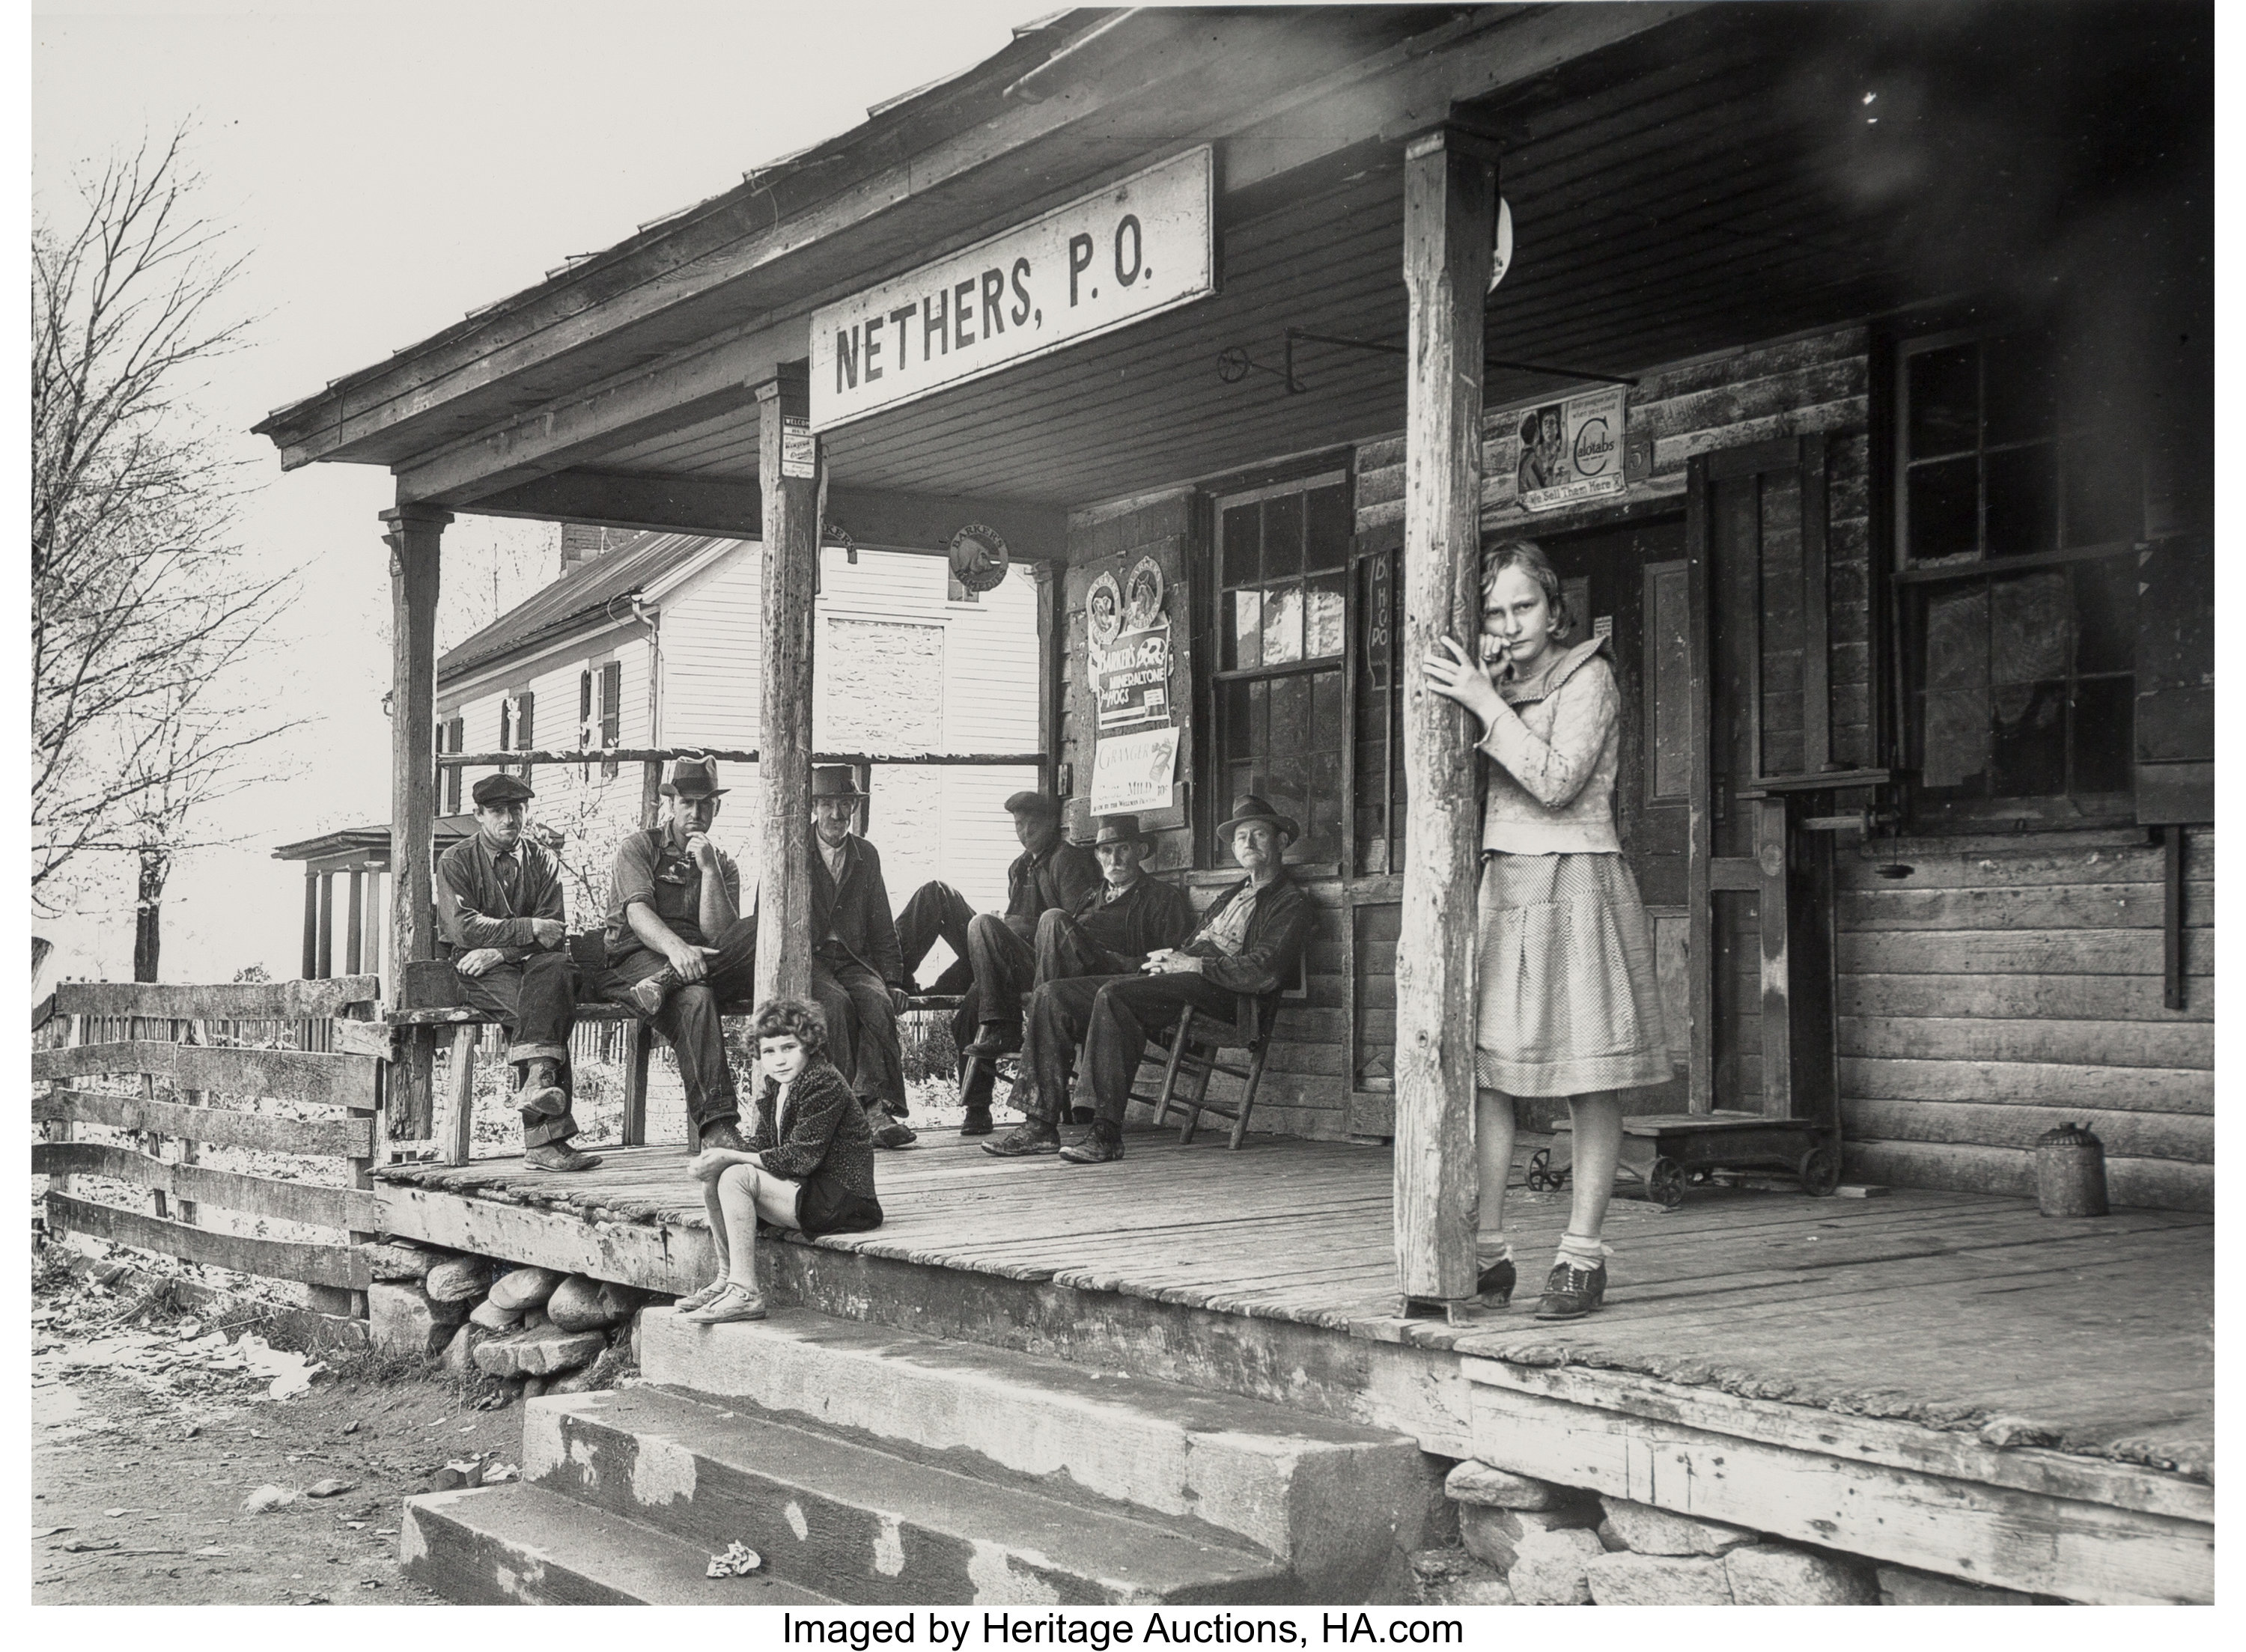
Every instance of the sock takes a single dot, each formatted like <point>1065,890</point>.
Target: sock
<point>1585,1253</point>
<point>1491,1249</point>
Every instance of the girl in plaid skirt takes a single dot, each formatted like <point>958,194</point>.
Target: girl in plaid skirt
<point>1567,1003</point>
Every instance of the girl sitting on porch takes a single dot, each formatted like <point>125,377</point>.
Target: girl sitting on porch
<point>1567,999</point>
<point>809,1163</point>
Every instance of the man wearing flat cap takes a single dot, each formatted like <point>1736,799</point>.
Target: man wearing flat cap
<point>856,973</point>
<point>1109,932</point>
<point>499,907</point>
<point>1249,942</point>
<point>677,944</point>
<point>996,952</point>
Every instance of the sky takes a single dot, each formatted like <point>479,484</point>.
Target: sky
<point>383,169</point>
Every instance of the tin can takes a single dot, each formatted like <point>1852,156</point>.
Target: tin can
<point>2070,1172</point>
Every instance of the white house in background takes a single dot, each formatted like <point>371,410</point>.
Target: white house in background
<point>654,640</point>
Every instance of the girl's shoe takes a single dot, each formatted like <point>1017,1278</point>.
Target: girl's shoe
<point>709,1294</point>
<point>731,1304</point>
<point>1572,1290</point>
<point>1493,1285</point>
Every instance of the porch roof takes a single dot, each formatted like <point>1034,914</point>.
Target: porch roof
<point>1683,179</point>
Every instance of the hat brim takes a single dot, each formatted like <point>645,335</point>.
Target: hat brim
<point>845,796</point>
<point>1285,823</point>
<point>670,791</point>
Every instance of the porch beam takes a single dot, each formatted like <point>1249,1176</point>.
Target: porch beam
<point>1450,205</point>
<point>789,532</point>
<point>876,520</point>
<point>414,533</point>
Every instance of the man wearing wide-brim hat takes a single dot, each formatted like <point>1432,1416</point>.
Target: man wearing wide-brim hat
<point>679,947</point>
<point>855,972</point>
<point>1110,932</point>
<point>1250,943</point>
<point>498,908</point>
<point>994,953</point>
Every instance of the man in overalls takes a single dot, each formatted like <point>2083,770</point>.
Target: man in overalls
<point>499,907</point>
<point>679,947</point>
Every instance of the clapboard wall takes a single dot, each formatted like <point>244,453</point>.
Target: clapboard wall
<point>2009,984</point>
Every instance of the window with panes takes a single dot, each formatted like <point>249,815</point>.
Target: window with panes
<point>1281,703</point>
<point>2019,501</point>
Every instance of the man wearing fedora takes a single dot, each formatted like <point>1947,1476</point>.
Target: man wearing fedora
<point>1250,941</point>
<point>856,973</point>
<point>997,951</point>
<point>499,907</point>
<point>677,944</point>
<point>1110,932</point>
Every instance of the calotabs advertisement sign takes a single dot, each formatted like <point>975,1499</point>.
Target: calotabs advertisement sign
<point>1133,250</point>
<point>1564,452</point>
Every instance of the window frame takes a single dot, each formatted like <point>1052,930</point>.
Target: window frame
<point>1908,584</point>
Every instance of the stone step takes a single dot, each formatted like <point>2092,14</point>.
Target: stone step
<point>518,1546</point>
<point>1342,1506</point>
<point>865,1525</point>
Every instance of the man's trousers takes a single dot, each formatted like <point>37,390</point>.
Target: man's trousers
<point>535,1002</point>
<point>689,1019</point>
<point>1112,1016</point>
<point>862,1027</point>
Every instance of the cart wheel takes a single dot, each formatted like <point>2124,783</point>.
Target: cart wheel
<point>1539,1174</point>
<point>1664,1183</point>
<point>1820,1171</point>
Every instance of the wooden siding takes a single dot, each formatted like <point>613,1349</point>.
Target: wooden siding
<point>2012,984</point>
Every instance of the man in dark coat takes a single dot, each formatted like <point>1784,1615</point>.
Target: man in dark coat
<point>856,973</point>
<point>997,951</point>
<point>679,947</point>
<point>1109,932</point>
<point>1249,943</point>
<point>499,906</point>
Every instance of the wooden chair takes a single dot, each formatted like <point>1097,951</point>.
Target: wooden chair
<point>1195,1043</point>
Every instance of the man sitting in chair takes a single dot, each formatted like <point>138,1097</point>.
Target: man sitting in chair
<point>498,904</point>
<point>1109,932</point>
<point>1249,943</point>
<point>679,947</point>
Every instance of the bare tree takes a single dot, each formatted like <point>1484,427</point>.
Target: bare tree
<point>140,603</point>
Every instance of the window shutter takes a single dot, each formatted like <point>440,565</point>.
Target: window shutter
<point>584,708</point>
<point>612,712</point>
<point>507,725</point>
<point>452,739</point>
<point>525,704</point>
<point>2175,682</point>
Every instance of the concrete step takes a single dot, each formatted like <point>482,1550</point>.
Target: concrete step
<point>867,1526</point>
<point>518,1546</point>
<point>1341,1505</point>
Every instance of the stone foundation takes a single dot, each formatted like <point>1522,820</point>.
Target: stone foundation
<point>1529,1542</point>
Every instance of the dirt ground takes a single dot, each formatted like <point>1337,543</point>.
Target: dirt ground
<point>150,1430</point>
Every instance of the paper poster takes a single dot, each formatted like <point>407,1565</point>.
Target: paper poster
<point>798,448</point>
<point>1131,772</point>
<point>1564,452</point>
<point>1128,660</point>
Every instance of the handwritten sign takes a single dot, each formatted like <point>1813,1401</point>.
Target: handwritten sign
<point>1135,249</point>
<point>1131,772</point>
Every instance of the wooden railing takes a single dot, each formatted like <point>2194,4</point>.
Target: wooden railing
<point>260,1069</point>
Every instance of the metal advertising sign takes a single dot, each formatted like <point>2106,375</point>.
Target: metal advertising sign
<point>1137,249</point>
<point>1564,452</point>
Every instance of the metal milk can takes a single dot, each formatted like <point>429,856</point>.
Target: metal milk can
<point>2070,1172</point>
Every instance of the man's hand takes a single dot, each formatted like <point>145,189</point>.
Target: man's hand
<point>1168,962</point>
<point>899,1003</point>
<point>687,962</point>
<point>480,962</point>
<point>549,932</point>
<point>704,851</point>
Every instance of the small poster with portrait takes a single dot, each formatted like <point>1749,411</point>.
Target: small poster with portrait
<point>1128,659</point>
<point>1564,452</point>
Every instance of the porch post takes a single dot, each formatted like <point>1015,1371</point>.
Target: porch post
<point>413,533</point>
<point>790,574</point>
<point>1450,202</point>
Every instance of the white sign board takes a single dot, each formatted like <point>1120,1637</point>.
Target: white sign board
<point>1131,772</point>
<point>1137,249</point>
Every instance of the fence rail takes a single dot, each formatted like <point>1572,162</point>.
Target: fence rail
<point>190,1050</point>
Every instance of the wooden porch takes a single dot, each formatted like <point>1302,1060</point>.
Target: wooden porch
<point>1854,1360</point>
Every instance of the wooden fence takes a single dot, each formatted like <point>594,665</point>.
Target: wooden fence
<point>266,1068</point>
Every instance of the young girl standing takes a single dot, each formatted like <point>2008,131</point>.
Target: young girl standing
<point>1567,1003</point>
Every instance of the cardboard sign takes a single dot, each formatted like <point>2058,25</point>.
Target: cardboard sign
<point>1561,454</point>
<point>1135,249</point>
<point>1130,677</point>
<point>1131,773</point>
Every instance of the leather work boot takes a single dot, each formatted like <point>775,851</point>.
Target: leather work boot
<point>647,995</point>
<point>560,1155</point>
<point>977,1122</point>
<point>1103,1146</point>
<point>997,1039</point>
<point>1493,1284</point>
<point>888,1132</point>
<point>1572,1290</point>
<point>1031,1136</point>
<point>539,1093</point>
<point>722,1134</point>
